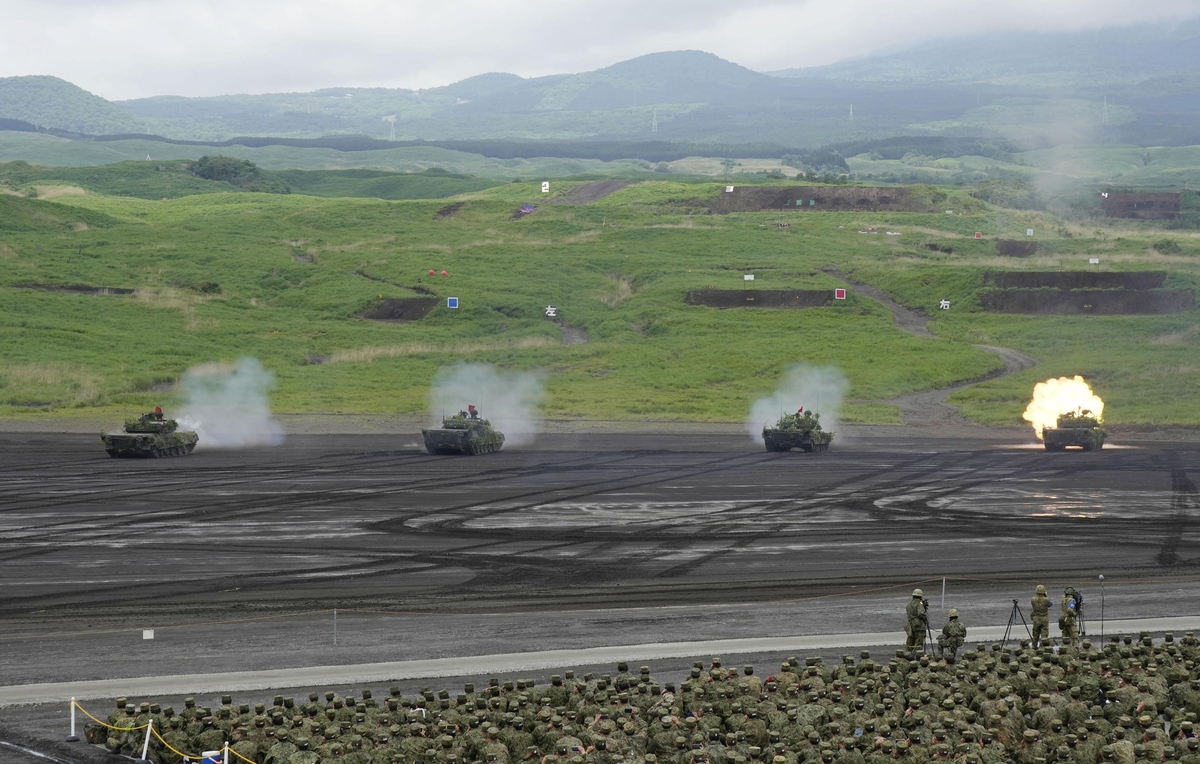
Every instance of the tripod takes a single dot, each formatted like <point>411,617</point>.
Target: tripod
<point>1012,619</point>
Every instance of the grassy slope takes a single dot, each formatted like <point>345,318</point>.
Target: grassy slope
<point>172,179</point>
<point>619,267</point>
<point>1144,367</point>
<point>47,150</point>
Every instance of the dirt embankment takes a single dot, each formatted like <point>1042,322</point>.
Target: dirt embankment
<point>1142,206</point>
<point>76,288</point>
<point>1065,293</point>
<point>1015,248</point>
<point>1100,302</point>
<point>819,199</point>
<point>586,193</point>
<point>1074,280</point>
<point>760,298</point>
<point>399,309</point>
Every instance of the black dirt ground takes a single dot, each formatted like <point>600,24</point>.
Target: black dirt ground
<point>237,558</point>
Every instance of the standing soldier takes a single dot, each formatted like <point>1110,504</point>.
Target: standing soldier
<point>1069,623</point>
<point>1040,609</point>
<point>951,640</point>
<point>918,622</point>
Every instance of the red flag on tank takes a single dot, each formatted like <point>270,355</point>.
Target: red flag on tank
<point>158,409</point>
<point>800,410</point>
<point>470,407</point>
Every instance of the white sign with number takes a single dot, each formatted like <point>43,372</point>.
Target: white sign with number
<point>545,186</point>
<point>1029,232</point>
<point>729,189</point>
<point>748,277</point>
<point>1093,261</point>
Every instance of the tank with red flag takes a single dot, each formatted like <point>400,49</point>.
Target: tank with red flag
<point>466,433</point>
<point>150,435</point>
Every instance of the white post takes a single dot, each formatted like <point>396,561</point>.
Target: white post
<point>73,738</point>
<point>943,594</point>
<point>225,751</point>
<point>146,745</point>
<point>335,626</point>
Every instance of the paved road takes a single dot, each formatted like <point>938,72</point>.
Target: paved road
<point>507,664</point>
<point>580,542</point>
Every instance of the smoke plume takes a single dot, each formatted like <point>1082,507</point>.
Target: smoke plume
<point>227,405</point>
<point>819,389</point>
<point>512,401</point>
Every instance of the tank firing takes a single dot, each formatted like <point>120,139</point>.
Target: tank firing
<point>1065,412</point>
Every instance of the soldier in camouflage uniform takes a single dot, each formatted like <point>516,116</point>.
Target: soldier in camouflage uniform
<point>917,623</point>
<point>1069,622</point>
<point>952,638</point>
<point>1039,608</point>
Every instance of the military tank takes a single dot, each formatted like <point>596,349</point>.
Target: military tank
<point>464,433</point>
<point>150,435</point>
<point>801,430</point>
<point>1075,428</point>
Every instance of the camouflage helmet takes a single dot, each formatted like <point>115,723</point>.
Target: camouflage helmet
<point>953,613</point>
<point>1040,589</point>
<point>918,593</point>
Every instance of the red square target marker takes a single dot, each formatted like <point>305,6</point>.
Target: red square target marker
<point>979,234</point>
<point>839,294</point>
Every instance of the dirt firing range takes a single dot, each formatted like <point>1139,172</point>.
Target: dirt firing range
<point>577,523</point>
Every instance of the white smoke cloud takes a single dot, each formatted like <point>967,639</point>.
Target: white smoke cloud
<point>819,389</point>
<point>512,401</point>
<point>227,405</point>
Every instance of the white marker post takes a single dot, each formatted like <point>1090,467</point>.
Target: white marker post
<point>225,752</point>
<point>72,738</point>
<point>146,745</point>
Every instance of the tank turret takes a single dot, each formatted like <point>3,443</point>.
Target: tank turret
<point>801,430</point>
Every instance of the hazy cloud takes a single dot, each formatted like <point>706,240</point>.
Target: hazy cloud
<point>134,48</point>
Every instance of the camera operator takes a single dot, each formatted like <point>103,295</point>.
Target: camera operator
<point>1072,604</point>
<point>1039,608</point>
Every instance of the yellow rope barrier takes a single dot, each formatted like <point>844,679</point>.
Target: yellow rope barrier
<point>106,724</point>
<point>191,756</point>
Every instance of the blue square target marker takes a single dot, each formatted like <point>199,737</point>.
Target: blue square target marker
<point>451,302</point>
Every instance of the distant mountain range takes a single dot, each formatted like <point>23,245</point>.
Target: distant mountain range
<point>1136,85</point>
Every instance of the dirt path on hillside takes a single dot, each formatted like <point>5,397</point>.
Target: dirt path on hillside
<point>928,408</point>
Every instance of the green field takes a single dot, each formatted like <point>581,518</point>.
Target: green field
<point>280,277</point>
<point>41,149</point>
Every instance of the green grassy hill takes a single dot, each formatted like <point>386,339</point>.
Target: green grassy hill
<point>51,102</point>
<point>281,277</point>
<point>173,179</point>
<point>49,150</point>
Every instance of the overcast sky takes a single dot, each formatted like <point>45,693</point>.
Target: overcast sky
<point>134,48</point>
